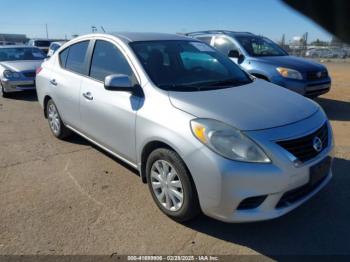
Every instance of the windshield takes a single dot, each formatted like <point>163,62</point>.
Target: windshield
<point>260,46</point>
<point>187,66</point>
<point>21,53</point>
<point>42,43</point>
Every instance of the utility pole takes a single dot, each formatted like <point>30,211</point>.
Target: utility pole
<point>47,32</point>
<point>103,30</point>
<point>283,41</point>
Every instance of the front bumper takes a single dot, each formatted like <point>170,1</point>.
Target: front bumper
<point>18,84</point>
<point>223,184</point>
<point>303,87</point>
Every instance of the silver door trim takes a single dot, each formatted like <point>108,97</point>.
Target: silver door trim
<point>103,147</point>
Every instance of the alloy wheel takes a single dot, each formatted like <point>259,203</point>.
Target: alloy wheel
<point>54,119</point>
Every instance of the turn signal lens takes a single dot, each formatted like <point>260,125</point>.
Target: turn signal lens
<point>199,132</point>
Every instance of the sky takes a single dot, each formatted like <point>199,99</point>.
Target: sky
<point>270,18</point>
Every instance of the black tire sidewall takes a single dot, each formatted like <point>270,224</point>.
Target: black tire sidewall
<point>190,207</point>
<point>3,93</point>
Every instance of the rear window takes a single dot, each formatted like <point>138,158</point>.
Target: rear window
<point>75,60</point>
<point>206,39</point>
<point>42,43</point>
<point>63,57</point>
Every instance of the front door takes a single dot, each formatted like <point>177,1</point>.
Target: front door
<point>108,116</point>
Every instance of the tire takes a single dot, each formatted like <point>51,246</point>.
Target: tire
<point>56,125</point>
<point>181,212</point>
<point>4,94</point>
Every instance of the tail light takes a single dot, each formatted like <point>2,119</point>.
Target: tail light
<point>38,70</point>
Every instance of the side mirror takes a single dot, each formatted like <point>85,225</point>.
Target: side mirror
<point>233,54</point>
<point>118,83</point>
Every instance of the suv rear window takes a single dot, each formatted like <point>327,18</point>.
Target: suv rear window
<point>205,39</point>
<point>42,43</point>
<point>75,60</point>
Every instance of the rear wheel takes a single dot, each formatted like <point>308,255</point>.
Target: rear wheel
<point>57,127</point>
<point>171,185</point>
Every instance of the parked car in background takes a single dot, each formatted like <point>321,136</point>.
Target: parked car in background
<point>7,43</point>
<point>17,68</point>
<point>54,46</point>
<point>338,53</point>
<point>202,132</point>
<point>42,44</point>
<point>326,53</point>
<point>264,59</point>
<point>317,53</point>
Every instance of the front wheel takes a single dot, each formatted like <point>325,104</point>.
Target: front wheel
<point>171,185</point>
<point>57,127</point>
<point>4,93</point>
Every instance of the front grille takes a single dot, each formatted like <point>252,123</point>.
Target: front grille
<point>251,202</point>
<point>303,148</point>
<point>29,74</point>
<point>316,75</point>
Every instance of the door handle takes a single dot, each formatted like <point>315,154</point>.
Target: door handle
<point>53,82</point>
<point>88,96</point>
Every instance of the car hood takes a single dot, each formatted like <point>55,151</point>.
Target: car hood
<point>293,62</point>
<point>19,66</point>
<point>259,105</point>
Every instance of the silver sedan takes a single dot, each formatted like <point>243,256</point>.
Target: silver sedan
<point>204,134</point>
<point>17,68</point>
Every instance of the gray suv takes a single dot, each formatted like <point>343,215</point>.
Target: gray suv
<point>202,133</point>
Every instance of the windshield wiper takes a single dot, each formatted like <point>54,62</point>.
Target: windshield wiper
<point>187,88</point>
<point>224,83</point>
<point>199,86</point>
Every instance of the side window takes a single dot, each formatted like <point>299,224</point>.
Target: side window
<point>76,57</point>
<point>108,60</point>
<point>54,47</point>
<point>224,45</point>
<point>63,57</point>
<point>205,39</point>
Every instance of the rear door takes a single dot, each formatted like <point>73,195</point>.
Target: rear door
<point>66,81</point>
<point>108,116</point>
<point>225,45</point>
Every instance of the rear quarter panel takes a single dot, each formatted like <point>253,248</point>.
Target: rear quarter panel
<point>43,80</point>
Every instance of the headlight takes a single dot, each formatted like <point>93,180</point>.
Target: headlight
<point>10,74</point>
<point>227,141</point>
<point>289,73</point>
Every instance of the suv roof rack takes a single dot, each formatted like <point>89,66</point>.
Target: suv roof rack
<point>216,32</point>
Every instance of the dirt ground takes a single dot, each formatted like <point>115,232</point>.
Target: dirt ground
<point>68,197</point>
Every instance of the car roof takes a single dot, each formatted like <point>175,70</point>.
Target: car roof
<point>222,32</point>
<point>59,42</point>
<point>16,46</point>
<point>144,36</point>
<point>128,37</point>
